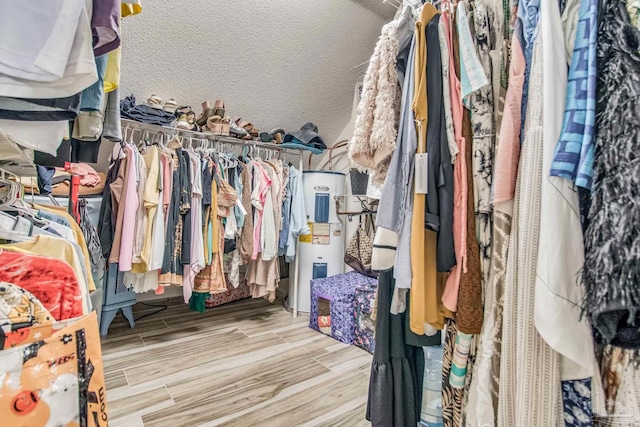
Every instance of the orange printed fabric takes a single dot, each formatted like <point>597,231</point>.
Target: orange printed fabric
<point>52,375</point>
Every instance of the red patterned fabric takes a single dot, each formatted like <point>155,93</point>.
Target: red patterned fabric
<point>241,292</point>
<point>50,280</point>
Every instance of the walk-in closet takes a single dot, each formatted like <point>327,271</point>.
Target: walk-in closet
<point>336,213</point>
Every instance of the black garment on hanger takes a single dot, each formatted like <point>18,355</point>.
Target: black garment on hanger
<point>72,150</point>
<point>392,395</point>
<point>439,206</point>
<point>85,151</point>
<point>63,154</point>
<point>106,224</point>
<point>54,109</point>
<point>170,262</point>
<point>207,178</point>
<point>185,206</point>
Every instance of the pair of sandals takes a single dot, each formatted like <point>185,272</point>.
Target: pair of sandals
<point>186,119</point>
<point>212,119</point>
<point>276,136</point>
<point>244,130</point>
<point>154,101</point>
<point>208,111</point>
<point>217,125</point>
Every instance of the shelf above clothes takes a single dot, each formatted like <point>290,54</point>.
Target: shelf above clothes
<point>216,139</point>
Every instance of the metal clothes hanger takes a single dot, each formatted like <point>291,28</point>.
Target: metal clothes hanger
<point>20,206</point>
<point>15,236</point>
<point>22,209</point>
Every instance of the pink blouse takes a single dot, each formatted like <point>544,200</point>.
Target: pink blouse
<point>129,216</point>
<point>505,169</point>
<point>262,182</point>
<point>460,185</point>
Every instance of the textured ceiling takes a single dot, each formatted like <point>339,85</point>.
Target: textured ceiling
<point>277,63</point>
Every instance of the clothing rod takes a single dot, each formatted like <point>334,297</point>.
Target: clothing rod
<point>132,124</point>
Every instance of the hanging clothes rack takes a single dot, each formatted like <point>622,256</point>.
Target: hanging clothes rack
<point>219,142</point>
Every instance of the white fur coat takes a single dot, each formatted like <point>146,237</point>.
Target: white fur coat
<point>374,137</point>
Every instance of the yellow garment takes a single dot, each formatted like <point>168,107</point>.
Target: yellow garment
<point>112,72</point>
<point>419,104</point>
<point>215,221</point>
<point>130,8</point>
<point>205,234</point>
<point>425,308</point>
<point>77,233</point>
<point>151,198</point>
<point>57,248</point>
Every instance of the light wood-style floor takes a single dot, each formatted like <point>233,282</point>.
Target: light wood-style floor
<point>247,363</point>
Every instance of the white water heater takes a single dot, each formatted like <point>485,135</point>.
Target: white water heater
<point>321,253</point>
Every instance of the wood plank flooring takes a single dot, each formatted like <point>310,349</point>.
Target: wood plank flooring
<point>242,364</point>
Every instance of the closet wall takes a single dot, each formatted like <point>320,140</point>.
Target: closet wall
<point>276,62</point>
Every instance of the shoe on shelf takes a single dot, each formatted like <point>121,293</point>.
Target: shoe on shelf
<point>251,129</point>
<point>275,136</point>
<point>278,135</point>
<point>236,130</point>
<point>187,121</point>
<point>246,127</point>
<point>185,109</point>
<point>213,125</point>
<point>218,108</point>
<point>266,137</point>
<point>207,112</point>
<point>170,106</point>
<point>183,122</point>
<point>226,126</point>
<point>154,101</point>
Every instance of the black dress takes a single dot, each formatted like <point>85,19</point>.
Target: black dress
<point>392,393</point>
<point>439,204</point>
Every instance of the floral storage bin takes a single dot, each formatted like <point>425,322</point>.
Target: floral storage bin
<point>332,304</point>
<point>363,325</point>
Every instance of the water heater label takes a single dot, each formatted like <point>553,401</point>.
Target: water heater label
<point>321,234</point>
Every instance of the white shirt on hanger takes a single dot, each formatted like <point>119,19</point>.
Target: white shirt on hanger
<point>558,292</point>
<point>41,136</point>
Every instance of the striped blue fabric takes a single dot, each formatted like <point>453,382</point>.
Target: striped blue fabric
<point>573,158</point>
<point>472,76</point>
